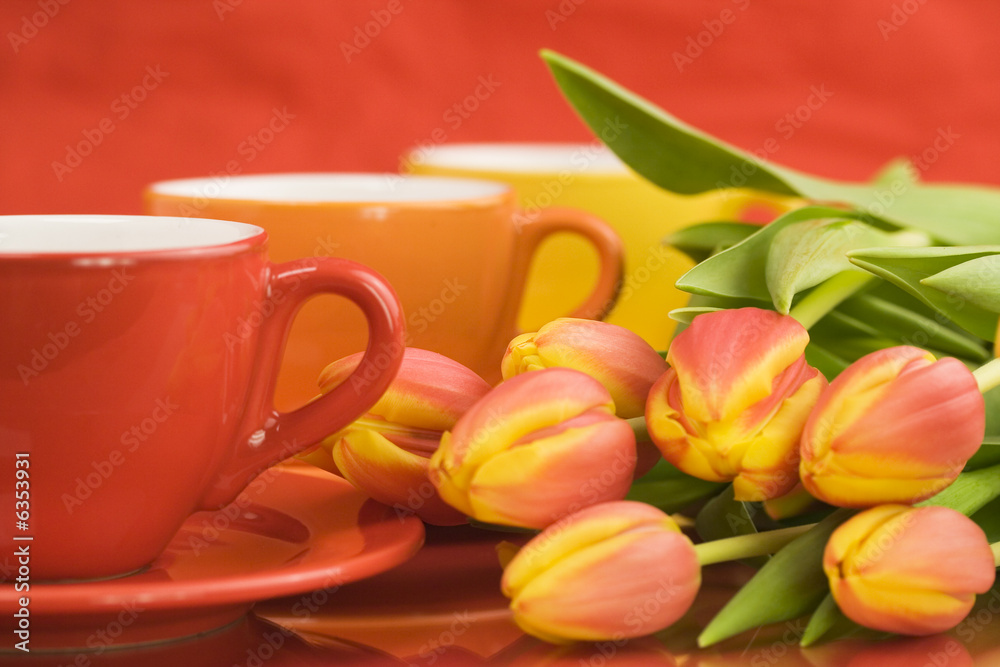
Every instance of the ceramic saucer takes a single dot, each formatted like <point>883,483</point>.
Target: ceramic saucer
<point>295,531</point>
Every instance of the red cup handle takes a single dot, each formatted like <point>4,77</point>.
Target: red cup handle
<point>270,436</point>
<point>609,248</point>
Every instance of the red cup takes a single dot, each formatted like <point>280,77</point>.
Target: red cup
<point>138,359</point>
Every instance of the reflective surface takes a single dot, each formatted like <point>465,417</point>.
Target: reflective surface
<point>443,607</point>
<point>292,531</point>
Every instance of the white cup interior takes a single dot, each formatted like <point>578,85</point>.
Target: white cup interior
<point>331,187</point>
<point>520,157</point>
<point>91,234</point>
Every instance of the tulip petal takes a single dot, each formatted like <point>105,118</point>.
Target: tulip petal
<point>908,570</point>
<point>595,594</point>
<point>726,360</point>
<point>430,391</point>
<point>616,357</point>
<point>896,426</point>
<point>924,613</point>
<point>391,476</point>
<point>573,533</point>
<point>511,411</point>
<point>769,467</point>
<point>575,468</point>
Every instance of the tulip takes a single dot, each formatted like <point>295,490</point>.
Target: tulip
<point>895,427</point>
<point>536,448</point>
<point>619,359</point>
<point>735,399</point>
<point>613,571</point>
<point>386,452</point>
<point>913,571</point>
<point>616,357</point>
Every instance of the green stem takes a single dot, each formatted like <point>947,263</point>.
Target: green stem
<point>988,375</point>
<point>745,546</point>
<point>638,425</point>
<point>829,295</point>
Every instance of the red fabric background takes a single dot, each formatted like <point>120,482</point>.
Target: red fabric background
<point>231,63</point>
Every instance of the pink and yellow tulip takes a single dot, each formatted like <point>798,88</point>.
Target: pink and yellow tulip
<point>912,571</point>
<point>619,359</point>
<point>895,427</point>
<point>536,448</point>
<point>613,571</point>
<point>386,452</point>
<point>735,400</point>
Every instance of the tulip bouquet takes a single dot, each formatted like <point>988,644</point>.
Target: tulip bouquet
<point>826,412</point>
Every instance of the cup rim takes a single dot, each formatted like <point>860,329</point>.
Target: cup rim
<point>509,157</point>
<point>211,190</point>
<point>137,246</point>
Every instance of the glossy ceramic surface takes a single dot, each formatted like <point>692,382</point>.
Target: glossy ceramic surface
<point>443,608</point>
<point>590,178</point>
<point>136,383</point>
<point>294,531</point>
<point>458,262</point>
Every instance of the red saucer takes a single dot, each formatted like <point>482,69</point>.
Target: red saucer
<point>294,530</point>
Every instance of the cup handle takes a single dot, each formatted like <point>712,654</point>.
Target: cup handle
<point>269,436</point>
<point>610,251</point>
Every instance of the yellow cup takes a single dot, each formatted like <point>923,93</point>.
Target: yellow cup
<point>590,177</point>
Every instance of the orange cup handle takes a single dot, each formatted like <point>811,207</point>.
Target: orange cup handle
<point>270,436</point>
<point>605,240</point>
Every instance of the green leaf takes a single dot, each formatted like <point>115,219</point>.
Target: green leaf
<point>790,585</point>
<point>666,151</point>
<point>804,254</point>
<point>723,516</point>
<point>669,489</point>
<point>829,364</point>
<point>987,455</point>
<point>687,315</point>
<point>988,519</point>
<point>825,617</point>
<point>899,170</point>
<point>908,267</point>
<point>911,328</point>
<point>701,241</point>
<point>683,159</point>
<point>970,492</point>
<point>741,271</point>
<point>976,281</point>
<point>992,398</point>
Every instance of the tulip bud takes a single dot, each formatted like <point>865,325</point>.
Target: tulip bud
<point>895,427</point>
<point>913,571</point>
<point>612,571</point>
<point>536,448</point>
<point>386,452</point>
<point>733,404</point>
<point>619,359</point>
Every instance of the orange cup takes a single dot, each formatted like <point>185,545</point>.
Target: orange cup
<point>457,251</point>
